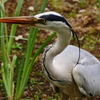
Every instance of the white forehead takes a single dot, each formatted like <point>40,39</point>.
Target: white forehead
<point>47,13</point>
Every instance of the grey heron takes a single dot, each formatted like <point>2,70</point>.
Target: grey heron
<point>69,78</point>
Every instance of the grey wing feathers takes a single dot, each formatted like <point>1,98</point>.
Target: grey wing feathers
<point>87,78</point>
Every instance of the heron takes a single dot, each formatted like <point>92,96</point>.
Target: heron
<point>68,77</point>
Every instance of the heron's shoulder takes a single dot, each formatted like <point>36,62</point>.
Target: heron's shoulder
<point>86,58</point>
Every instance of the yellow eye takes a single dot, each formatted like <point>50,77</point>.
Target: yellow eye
<point>42,21</point>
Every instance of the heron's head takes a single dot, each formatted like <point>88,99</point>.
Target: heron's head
<point>48,20</point>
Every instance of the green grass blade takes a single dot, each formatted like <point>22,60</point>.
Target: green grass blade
<point>19,71</point>
<point>38,52</point>
<point>12,74</point>
<point>44,6</point>
<point>29,68</point>
<point>31,43</point>
<point>26,73</point>
<point>5,70</point>
<point>3,10</point>
<point>41,49</point>
<point>8,67</point>
<point>99,10</point>
<point>14,27</point>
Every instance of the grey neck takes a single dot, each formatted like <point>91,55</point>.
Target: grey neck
<point>53,50</point>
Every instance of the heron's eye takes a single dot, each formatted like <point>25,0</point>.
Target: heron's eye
<point>43,21</point>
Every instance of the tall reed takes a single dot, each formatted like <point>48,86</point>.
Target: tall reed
<point>99,10</point>
<point>24,66</point>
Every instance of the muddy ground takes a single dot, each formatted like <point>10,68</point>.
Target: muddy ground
<point>82,15</point>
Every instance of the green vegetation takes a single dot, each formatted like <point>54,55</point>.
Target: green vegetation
<point>72,14</point>
<point>99,10</point>
<point>90,41</point>
<point>22,66</point>
<point>82,3</point>
<point>14,85</point>
<point>57,4</point>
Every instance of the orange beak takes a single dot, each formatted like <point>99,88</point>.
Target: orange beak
<point>28,20</point>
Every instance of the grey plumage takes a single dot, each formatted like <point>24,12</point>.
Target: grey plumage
<point>70,74</point>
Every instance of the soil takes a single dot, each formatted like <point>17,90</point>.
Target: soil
<point>83,16</point>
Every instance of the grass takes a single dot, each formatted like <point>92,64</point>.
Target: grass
<point>72,14</point>
<point>82,3</point>
<point>90,41</point>
<point>99,10</point>
<point>57,4</point>
<point>9,66</point>
<point>22,66</point>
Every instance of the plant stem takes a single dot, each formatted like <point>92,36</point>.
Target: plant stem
<point>99,11</point>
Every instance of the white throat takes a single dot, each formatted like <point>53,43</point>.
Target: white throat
<point>62,42</point>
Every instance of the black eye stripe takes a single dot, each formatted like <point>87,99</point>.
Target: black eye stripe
<point>52,17</point>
